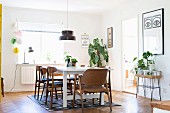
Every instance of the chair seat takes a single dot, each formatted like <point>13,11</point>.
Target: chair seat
<point>56,83</point>
<point>93,89</point>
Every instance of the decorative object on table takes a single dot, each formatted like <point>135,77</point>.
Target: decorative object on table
<point>98,53</point>
<point>153,31</point>
<point>29,50</point>
<point>74,61</point>
<point>67,58</point>
<point>110,37</point>
<point>67,34</point>
<point>85,40</point>
<point>144,63</point>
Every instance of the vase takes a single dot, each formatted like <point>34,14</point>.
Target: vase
<point>151,67</point>
<point>68,62</point>
<point>73,64</point>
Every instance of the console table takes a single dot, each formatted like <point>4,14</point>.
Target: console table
<point>148,81</point>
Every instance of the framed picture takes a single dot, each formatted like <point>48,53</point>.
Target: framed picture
<point>85,40</point>
<point>153,31</point>
<point>110,37</point>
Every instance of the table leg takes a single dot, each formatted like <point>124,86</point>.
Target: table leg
<point>102,98</point>
<point>137,87</point>
<point>64,89</point>
<point>159,88</point>
<point>152,88</point>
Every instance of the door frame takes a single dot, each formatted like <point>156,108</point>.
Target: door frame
<point>122,55</point>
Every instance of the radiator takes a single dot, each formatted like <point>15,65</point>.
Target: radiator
<point>28,75</point>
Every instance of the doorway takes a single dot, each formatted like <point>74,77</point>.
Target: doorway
<point>130,50</point>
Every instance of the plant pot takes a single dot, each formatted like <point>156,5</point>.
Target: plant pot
<point>151,67</point>
<point>73,64</point>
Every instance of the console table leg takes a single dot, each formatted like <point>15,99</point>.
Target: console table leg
<point>159,88</point>
<point>137,87</point>
<point>144,86</point>
<point>152,88</point>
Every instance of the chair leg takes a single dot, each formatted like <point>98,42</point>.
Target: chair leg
<point>110,92</point>
<point>42,91</point>
<point>82,102</point>
<point>109,101</point>
<point>51,102</point>
<point>100,98</point>
<point>70,88</point>
<point>35,89</point>
<point>74,94</point>
<point>46,96</point>
<point>38,90</point>
<point>56,93</point>
<point>2,88</point>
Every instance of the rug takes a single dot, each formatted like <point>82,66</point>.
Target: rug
<point>58,104</point>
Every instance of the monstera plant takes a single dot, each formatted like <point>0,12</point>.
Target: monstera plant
<point>98,53</point>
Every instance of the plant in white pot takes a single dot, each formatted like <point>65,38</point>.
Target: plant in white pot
<point>146,63</point>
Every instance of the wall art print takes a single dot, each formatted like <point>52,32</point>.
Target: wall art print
<point>110,37</point>
<point>153,31</point>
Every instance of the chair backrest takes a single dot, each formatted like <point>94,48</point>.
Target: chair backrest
<point>38,73</point>
<point>94,77</point>
<point>50,72</point>
<point>43,72</point>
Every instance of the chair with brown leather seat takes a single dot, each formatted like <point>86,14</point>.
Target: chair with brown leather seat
<point>51,84</point>
<point>38,81</point>
<point>109,82</point>
<point>92,81</point>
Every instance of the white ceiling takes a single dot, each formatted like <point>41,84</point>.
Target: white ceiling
<point>90,6</point>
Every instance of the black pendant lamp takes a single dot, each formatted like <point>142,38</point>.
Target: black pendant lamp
<point>67,34</point>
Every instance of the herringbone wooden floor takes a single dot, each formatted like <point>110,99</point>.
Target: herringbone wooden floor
<point>20,103</point>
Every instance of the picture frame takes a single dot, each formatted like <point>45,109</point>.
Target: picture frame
<point>110,37</point>
<point>85,40</point>
<point>153,31</point>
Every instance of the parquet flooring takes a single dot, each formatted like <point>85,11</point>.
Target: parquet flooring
<point>18,102</point>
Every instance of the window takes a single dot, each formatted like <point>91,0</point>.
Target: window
<point>45,43</point>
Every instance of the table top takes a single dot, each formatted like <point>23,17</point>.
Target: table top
<point>165,105</point>
<point>63,68</point>
<point>149,76</point>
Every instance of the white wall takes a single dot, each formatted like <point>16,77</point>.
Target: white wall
<point>115,17</point>
<point>80,23</point>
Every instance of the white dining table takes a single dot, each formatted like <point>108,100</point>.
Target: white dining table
<point>74,70</point>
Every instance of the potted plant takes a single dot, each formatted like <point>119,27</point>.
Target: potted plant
<point>98,53</point>
<point>74,60</point>
<point>144,63</point>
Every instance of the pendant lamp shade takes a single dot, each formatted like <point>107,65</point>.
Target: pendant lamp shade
<point>67,34</point>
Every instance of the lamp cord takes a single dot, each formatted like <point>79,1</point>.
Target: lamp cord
<point>67,14</point>
<point>14,78</point>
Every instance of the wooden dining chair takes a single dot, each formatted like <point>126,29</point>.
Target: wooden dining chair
<point>2,86</point>
<point>92,81</point>
<point>109,82</point>
<point>38,81</point>
<point>52,84</point>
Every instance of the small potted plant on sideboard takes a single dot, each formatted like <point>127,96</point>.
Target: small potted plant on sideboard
<point>74,61</point>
